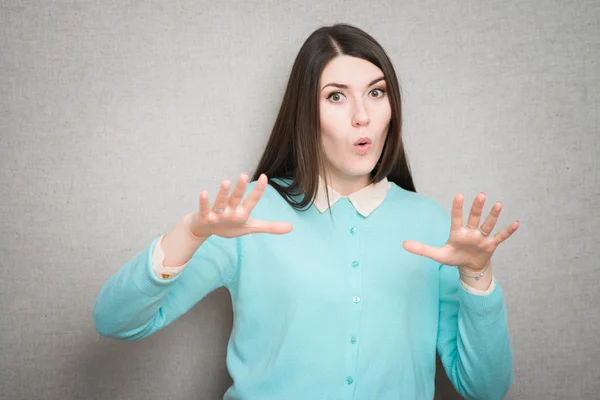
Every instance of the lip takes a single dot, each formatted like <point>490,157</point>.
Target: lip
<point>362,149</point>
<point>363,140</point>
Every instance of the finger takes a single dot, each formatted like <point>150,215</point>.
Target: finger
<point>238,192</point>
<point>457,214</point>
<point>250,201</point>
<point>492,218</point>
<point>204,205</point>
<point>476,210</point>
<point>421,249</point>
<point>276,228</point>
<point>221,200</point>
<point>506,232</point>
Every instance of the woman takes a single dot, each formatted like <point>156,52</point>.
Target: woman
<point>350,295</point>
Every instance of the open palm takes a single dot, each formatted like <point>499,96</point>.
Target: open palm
<point>230,215</point>
<point>470,246</point>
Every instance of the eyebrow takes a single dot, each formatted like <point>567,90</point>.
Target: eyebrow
<point>342,86</point>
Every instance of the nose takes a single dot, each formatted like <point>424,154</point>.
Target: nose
<point>360,117</point>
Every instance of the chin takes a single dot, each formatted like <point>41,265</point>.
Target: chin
<point>358,171</point>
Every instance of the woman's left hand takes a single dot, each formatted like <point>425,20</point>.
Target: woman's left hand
<point>470,247</point>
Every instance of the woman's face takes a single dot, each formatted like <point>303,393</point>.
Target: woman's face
<point>353,108</point>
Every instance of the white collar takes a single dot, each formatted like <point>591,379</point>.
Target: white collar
<point>364,200</point>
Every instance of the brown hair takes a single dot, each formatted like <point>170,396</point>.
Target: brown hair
<point>293,151</point>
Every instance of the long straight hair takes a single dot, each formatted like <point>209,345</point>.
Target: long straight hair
<point>293,151</point>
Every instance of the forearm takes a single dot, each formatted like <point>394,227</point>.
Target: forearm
<point>130,300</point>
<point>482,367</point>
<point>485,367</point>
<point>179,245</point>
<point>473,339</point>
<point>128,304</point>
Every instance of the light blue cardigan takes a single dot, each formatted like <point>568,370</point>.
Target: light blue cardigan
<point>335,309</point>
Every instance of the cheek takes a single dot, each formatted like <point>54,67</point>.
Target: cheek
<point>329,118</point>
<point>384,114</point>
<point>331,123</point>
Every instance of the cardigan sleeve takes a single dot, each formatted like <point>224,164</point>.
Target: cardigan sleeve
<point>134,302</point>
<point>473,339</point>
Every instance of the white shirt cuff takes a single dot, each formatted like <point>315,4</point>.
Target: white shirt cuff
<point>479,292</point>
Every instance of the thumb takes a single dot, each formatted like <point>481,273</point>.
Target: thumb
<point>418,248</point>
<point>276,228</point>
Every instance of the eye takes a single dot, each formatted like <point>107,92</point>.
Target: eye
<point>335,96</point>
<point>380,91</point>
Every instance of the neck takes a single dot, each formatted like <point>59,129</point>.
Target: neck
<point>346,185</point>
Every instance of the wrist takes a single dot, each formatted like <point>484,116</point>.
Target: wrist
<point>187,222</point>
<point>477,278</point>
<point>474,271</point>
<point>482,284</point>
<point>179,245</point>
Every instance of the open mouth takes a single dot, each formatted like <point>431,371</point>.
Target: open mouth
<point>362,147</point>
<point>362,141</point>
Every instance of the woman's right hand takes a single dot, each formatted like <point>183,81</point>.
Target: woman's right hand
<point>235,219</point>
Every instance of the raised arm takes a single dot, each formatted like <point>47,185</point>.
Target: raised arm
<point>136,302</point>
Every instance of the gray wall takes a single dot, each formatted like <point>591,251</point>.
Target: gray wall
<point>114,116</point>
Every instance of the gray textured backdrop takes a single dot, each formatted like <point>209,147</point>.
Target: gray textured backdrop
<point>114,116</point>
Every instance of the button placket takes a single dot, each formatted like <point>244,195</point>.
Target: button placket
<point>354,272</point>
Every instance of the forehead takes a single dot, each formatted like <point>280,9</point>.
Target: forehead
<point>351,71</point>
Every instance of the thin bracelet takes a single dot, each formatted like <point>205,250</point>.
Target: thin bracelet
<point>476,277</point>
